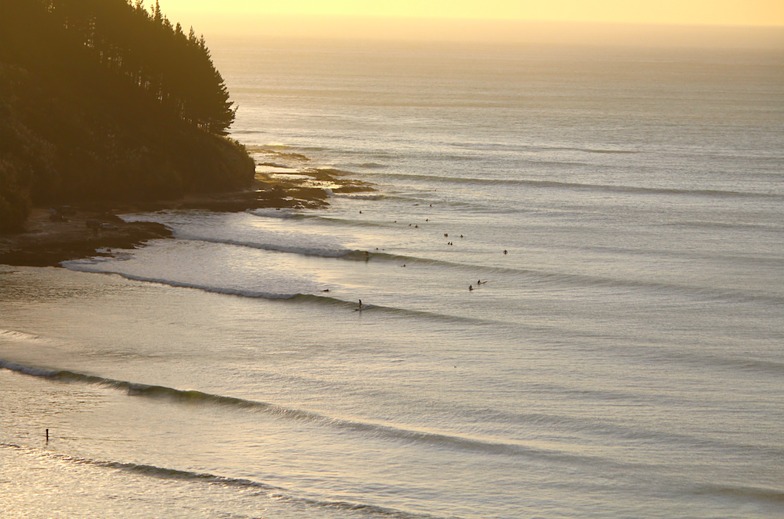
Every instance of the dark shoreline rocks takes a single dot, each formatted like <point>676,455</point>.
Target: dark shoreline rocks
<point>47,242</point>
<point>54,235</point>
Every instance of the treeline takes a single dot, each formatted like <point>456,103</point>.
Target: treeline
<point>139,45</point>
<point>108,100</point>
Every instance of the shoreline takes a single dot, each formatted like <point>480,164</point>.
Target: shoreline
<point>50,238</point>
<point>54,235</point>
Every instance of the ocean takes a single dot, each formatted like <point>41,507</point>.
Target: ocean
<point>571,275</point>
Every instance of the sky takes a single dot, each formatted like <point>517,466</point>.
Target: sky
<point>471,19</point>
<point>689,12</point>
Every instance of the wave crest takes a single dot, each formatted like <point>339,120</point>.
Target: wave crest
<point>392,432</point>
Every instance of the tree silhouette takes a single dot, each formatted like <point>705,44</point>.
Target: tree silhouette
<point>105,100</point>
<point>147,50</point>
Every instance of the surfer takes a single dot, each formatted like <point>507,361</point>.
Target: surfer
<point>359,307</point>
<point>470,288</point>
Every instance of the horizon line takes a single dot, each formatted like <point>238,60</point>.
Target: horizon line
<point>363,28</point>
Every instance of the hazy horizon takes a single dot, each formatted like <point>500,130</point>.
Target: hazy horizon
<point>667,12</point>
<point>754,23</point>
<point>490,31</point>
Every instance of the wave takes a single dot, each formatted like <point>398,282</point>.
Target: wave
<point>737,226</point>
<point>558,278</point>
<point>274,165</point>
<point>391,310</point>
<point>278,151</point>
<point>691,291</point>
<point>277,492</point>
<point>578,186</point>
<point>750,257</point>
<point>601,151</point>
<point>360,196</point>
<point>308,298</point>
<point>274,247</point>
<point>481,271</point>
<point>367,165</point>
<point>399,433</point>
<point>581,280</point>
<point>328,170</point>
<point>147,390</point>
<point>229,291</point>
<point>16,335</point>
<point>285,213</point>
<point>391,432</point>
<point>771,495</point>
<point>614,431</point>
<point>543,148</point>
<point>755,366</point>
<point>584,280</point>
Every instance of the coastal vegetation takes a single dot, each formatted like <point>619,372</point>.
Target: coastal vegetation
<point>107,101</point>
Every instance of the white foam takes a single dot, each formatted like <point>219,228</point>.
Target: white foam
<point>19,336</point>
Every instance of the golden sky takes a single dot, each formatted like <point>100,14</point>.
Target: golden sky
<point>595,21</point>
<point>699,12</point>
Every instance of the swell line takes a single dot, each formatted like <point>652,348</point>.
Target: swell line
<point>599,151</point>
<point>578,280</point>
<point>775,496</point>
<point>391,432</point>
<point>293,249</point>
<point>132,388</point>
<point>272,296</point>
<point>351,305</point>
<point>19,335</point>
<point>581,280</point>
<point>214,479</point>
<point>577,186</point>
<point>228,291</point>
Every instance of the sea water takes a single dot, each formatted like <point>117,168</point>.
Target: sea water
<point>570,271</point>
